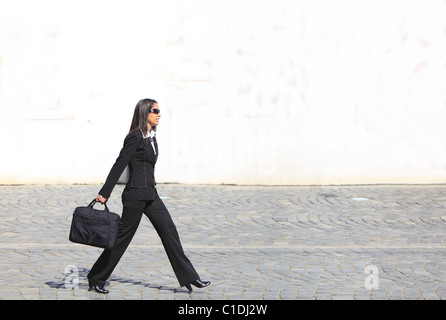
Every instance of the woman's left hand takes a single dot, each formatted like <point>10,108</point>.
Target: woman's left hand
<point>101,199</point>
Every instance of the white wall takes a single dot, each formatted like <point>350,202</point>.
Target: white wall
<point>251,91</point>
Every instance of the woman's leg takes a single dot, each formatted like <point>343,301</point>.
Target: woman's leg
<point>107,261</point>
<point>158,214</point>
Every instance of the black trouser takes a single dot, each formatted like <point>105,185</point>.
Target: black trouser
<point>158,214</point>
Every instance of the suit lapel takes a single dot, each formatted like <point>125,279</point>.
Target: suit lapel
<point>149,149</point>
<point>156,148</point>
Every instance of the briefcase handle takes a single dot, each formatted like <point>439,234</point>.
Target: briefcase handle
<point>93,203</point>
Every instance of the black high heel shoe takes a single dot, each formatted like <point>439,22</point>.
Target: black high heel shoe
<point>97,288</point>
<point>198,283</point>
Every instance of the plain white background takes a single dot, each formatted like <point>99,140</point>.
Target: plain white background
<point>251,92</point>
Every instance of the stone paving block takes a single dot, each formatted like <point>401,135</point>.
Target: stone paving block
<point>252,242</point>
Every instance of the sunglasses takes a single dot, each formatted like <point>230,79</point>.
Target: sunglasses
<point>155,111</point>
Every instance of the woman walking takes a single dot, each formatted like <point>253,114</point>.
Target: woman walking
<point>139,153</point>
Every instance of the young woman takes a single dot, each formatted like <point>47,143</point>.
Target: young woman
<point>140,152</point>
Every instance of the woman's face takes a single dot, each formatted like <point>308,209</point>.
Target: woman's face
<point>154,118</point>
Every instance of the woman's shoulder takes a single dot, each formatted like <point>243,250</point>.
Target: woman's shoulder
<point>132,136</point>
<point>134,133</point>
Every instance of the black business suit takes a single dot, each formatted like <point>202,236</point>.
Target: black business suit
<point>140,196</point>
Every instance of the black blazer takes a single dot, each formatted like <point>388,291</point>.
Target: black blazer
<point>138,154</point>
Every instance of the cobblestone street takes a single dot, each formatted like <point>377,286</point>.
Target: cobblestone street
<point>251,242</point>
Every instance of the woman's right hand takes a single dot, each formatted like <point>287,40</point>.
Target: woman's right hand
<point>101,199</point>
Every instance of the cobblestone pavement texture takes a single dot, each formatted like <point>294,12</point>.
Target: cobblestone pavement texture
<point>252,242</point>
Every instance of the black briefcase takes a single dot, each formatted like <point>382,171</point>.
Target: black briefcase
<point>97,228</point>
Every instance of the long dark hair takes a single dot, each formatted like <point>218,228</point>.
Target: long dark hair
<point>142,110</point>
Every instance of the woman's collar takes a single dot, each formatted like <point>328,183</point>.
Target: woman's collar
<point>151,134</point>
